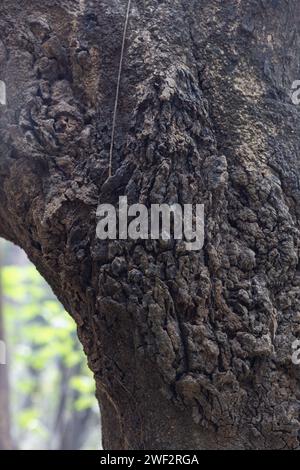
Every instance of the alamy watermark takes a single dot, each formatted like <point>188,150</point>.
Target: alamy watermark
<point>295,93</point>
<point>296,354</point>
<point>161,221</point>
<point>2,353</point>
<point>2,93</point>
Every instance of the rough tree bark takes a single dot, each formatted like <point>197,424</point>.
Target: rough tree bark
<point>190,350</point>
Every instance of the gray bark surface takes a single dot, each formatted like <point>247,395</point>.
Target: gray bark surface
<point>190,350</point>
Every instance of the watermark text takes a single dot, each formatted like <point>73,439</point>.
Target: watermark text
<point>2,353</point>
<point>161,221</point>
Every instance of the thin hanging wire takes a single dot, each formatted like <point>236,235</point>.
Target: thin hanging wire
<point>111,151</point>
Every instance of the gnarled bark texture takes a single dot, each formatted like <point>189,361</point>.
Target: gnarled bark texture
<point>190,350</point>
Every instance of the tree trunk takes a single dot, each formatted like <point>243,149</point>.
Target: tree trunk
<point>190,350</point>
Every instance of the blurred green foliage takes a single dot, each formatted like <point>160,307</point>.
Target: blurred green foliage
<point>52,389</point>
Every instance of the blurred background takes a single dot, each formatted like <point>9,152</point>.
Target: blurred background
<point>47,393</point>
